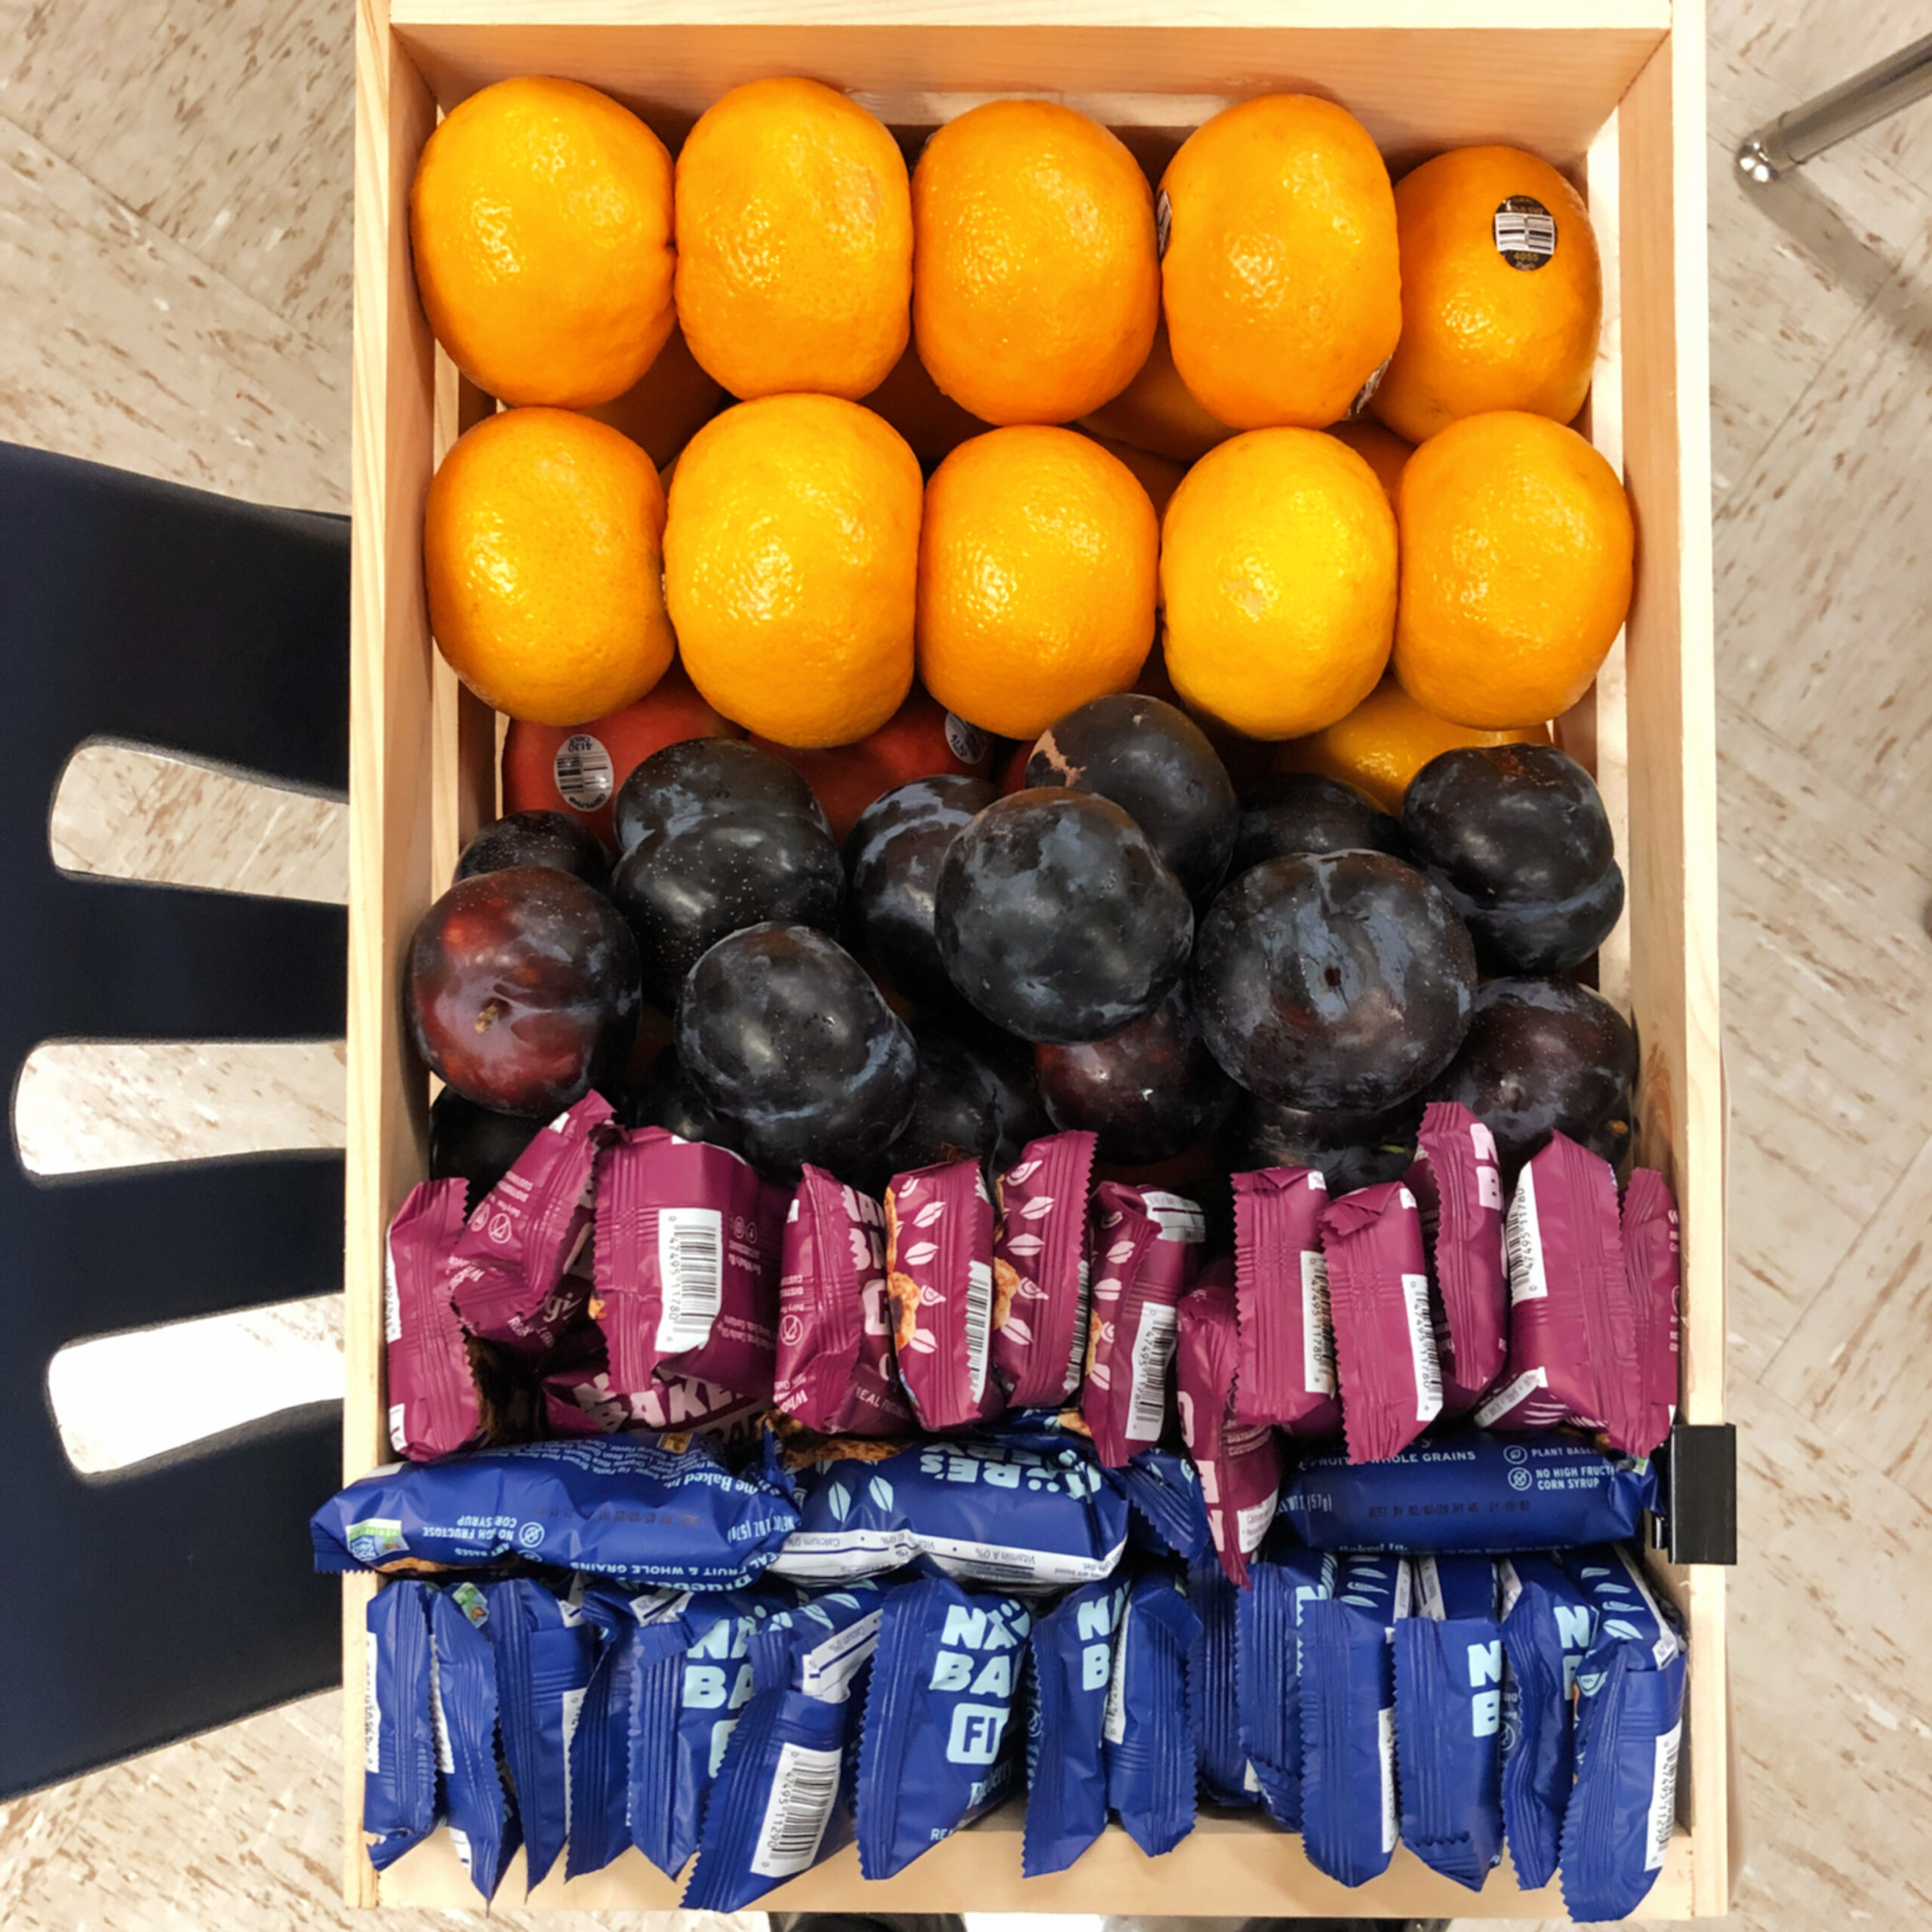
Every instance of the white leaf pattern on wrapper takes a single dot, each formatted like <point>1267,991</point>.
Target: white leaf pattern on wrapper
<point>920,1252</point>
<point>929,1214</point>
<point>1041,1205</point>
<point>1025,1244</point>
<point>1121,1250</point>
<point>880,1491</point>
<point>1098,1377</point>
<point>838,1500</point>
<point>1018,1331</point>
<point>924,1342</point>
<point>1107,1288</point>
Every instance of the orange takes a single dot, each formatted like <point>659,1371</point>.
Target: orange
<point>1277,571</point>
<point>667,405</point>
<point>789,561</point>
<point>794,258</point>
<point>1157,411</point>
<point>1035,283</point>
<point>1501,293</point>
<point>1281,280</point>
<point>1154,474</point>
<point>541,557</point>
<point>1036,578</point>
<point>1385,741</point>
<point>933,424</point>
<point>1517,550</point>
<point>1382,450</point>
<point>540,218</point>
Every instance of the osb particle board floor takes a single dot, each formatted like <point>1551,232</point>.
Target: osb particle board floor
<point>174,257</point>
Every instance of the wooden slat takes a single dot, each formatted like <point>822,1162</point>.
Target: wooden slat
<point>389,766</point>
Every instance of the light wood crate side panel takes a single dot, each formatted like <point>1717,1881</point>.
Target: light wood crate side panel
<point>389,771</point>
<point>1550,89</point>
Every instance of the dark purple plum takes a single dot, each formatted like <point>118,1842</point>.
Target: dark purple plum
<point>717,835</point>
<point>475,1144</point>
<point>1302,811</point>
<point>893,856</point>
<point>1615,1140</point>
<point>1350,1149</point>
<point>791,1045</point>
<point>1342,979</point>
<point>1543,1056</point>
<point>1151,1090</point>
<point>1021,1113</point>
<point>666,1097</point>
<point>1157,764</point>
<point>537,838</point>
<point>1056,919</point>
<point>955,1111</point>
<point>522,989</point>
<point>1517,836</point>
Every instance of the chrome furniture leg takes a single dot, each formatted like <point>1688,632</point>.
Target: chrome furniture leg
<point>1808,129</point>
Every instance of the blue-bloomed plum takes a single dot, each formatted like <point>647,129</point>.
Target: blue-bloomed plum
<point>1517,836</point>
<point>522,989</point>
<point>1343,980</point>
<point>1302,811</point>
<point>475,1144</point>
<point>667,1097</point>
<point>955,1111</point>
<point>1057,919</point>
<point>1350,1149</point>
<point>537,838</point>
<point>717,835</point>
<point>790,1045</point>
<point>1156,763</point>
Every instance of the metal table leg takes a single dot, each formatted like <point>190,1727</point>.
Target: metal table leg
<point>1794,136</point>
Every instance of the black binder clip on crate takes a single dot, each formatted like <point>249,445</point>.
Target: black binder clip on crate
<point>1697,1516</point>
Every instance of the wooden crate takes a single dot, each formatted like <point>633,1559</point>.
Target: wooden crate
<point>1615,95</point>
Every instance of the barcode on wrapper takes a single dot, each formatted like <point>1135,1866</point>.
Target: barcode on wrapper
<point>804,1787</point>
<point>1522,1240</point>
<point>979,1323</point>
<point>1153,1352</point>
<point>1422,1348</point>
<point>1524,231</point>
<point>372,1715</point>
<point>690,1272</point>
<point>1317,1325</point>
<point>1663,1796</point>
<point>392,1301</point>
<point>1385,1747</point>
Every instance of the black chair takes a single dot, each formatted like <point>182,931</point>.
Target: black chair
<point>137,1608</point>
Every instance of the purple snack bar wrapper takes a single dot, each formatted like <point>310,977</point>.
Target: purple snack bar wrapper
<point>1039,1271</point>
<point>1385,1345</point>
<point>1146,1247</point>
<point>515,1275</point>
<point>939,1236</point>
<point>1652,1264</point>
<point>1287,1339</point>
<point>687,1263</point>
<point>835,1339</point>
<point>1574,1353</point>
<point>434,1406</point>
<point>1458,1187</point>
<point>1239,1463</point>
<point>579,1400</point>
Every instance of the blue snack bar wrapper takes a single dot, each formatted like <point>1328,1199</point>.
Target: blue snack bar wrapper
<point>1149,1735</point>
<point>1629,1728</point>
<point>941,1748</point>
<point>1072,1649</point>
<point>1470,1495</point>
<point>483,1823</point>
<point>1283,1578</point>
<point>1168,1513</point>
<point>1027,1514</point>
<point>1449,1719</point>
<point>629,1507</point>
<point>1548,1625</point>
<point>399,1760</point>
<point>1213,1689</point>
<point>784,1795</point>
<point>1348,1719</point>
<point>546,1651</point>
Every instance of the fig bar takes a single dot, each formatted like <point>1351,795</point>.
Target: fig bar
<point>434,1406</point>
<point>1588,1344</point>
<point>1458,1188</point>
<point>1385,1343</point>
<point>1146,1247</point>
<point>687,1264</point>
<point>1288,1341</point>
<point>516,1277</point>
<point>938,1232</point>
<point>1040,1271</point>
<point>835,1343</point>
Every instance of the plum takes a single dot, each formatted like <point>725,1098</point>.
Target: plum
<point>955,1111</point>
<point>717,835</point>
<point>1157,764</point>
<point>475,1144</point>
<point>666,1097</point>
<point>791,1045</point>
<point>1542,1055</point>
<point>537,838</point>
<point>1008,1062</point>
<point>1302,811</point>
<point>1057,919</point>
<point>1148,1091</point>
<point>1517,837</point>
<point>1338,979</point>
<point>1351,1148</point>
<point>523,989</point>
<point>892,858</point>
